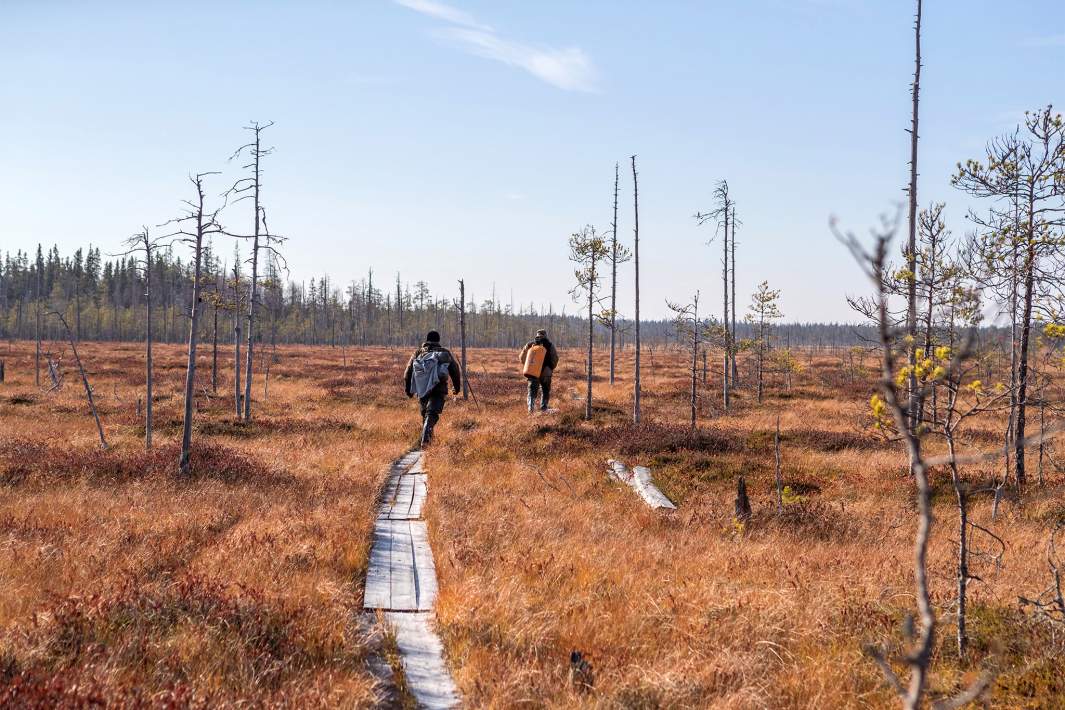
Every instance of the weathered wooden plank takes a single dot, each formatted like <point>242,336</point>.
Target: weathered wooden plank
<point>424,569</point>
<point>408,499</point>
<point>403,582</point>
<point>422,656</point>
<point>377,593</point>
<point>419,465</point>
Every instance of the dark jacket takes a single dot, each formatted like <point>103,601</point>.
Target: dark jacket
<point>550,362</point>
<point>453,371</point>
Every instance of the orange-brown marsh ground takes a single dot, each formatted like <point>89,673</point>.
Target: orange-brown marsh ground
<point>120,580</point>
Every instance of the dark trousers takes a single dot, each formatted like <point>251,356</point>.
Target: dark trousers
<point>432,405</point>
<point>538,385</point>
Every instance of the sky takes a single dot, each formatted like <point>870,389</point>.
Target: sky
<point>469,139</point>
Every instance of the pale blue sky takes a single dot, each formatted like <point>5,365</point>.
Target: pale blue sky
<point>469,139</point>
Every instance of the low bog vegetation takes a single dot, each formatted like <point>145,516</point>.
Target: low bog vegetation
<point>239,585</point>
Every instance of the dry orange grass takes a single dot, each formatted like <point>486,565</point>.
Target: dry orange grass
<point>120,581</point>
<point>539,554</point>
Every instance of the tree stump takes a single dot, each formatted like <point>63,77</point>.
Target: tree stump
<point>743,503</point>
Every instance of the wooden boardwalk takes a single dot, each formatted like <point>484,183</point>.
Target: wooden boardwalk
<point>401,582</point>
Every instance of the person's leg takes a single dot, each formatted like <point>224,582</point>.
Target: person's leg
<point>433,406</point>
<point>534,387</point>
<point>545,387</point>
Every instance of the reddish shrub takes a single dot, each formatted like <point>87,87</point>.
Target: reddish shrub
<point>23,460</point>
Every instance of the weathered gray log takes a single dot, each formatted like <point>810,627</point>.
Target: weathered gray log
<point>640,480</point>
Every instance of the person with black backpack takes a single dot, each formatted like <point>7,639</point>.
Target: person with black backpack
<point>426,376</point>
<point>539,358</point>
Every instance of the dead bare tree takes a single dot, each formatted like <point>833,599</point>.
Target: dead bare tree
<point>732,271</point>
<point>251,188</point>
<point>84,378</point>
<point>462,336</point>
<point>636,256</point>
<point>619,254</point>
<point>721,216</point>
<point>694,331</point>
<point>911,244</point>
<point>777,470</point>
<point>144,245</point>
<point>238,393</point>
<point>37,318</point>
<point>191,228</point>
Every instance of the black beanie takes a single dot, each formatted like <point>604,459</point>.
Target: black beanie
<point>432,337</point>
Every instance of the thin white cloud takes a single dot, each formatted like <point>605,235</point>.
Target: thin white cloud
<point>567,68</point>
<point>1047,41</point>
<point>447,13</point>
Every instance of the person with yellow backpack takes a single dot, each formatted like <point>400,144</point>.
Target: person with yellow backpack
<point>539,358</point>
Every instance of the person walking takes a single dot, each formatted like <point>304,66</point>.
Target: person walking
<point>426,377</point>
<point>539,359</point>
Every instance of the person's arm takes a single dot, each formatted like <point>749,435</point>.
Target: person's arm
<point>408,374</point>
<point>455,372</point>
<point>552,356</point>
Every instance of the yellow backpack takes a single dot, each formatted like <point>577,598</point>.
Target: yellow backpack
<point>534,361</point>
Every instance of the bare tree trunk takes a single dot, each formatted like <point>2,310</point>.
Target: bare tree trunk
<point>37,324</point>
<point>1022,366</point>
<point>963,570</point>
<point>636,252</point>
<point>84,379</point>
<point>761,355</point>
<point>1013,361</point>
<point>732,331</point>
<point>185,462</point>
<point>77,306</point>
<point>911,246</point>
<point>726,368</point>
<point>237,390</point>
<point>148,341</point>
<point>591,335</point>
<point>778,472</point>
<point>462,336</point>
<point>253,285</point>
<point>695,360</point>
<point>214,349</point>
<point>614,276</point>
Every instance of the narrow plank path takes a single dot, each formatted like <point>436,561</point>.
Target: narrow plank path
<point>401,582</point>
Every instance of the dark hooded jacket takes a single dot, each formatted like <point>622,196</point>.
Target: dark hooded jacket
<point>550,362</point>
<point>453,371</point>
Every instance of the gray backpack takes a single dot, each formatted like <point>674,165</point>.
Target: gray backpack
<point>429,369</point>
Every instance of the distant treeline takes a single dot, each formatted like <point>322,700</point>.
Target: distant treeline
<point>102,298</point>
